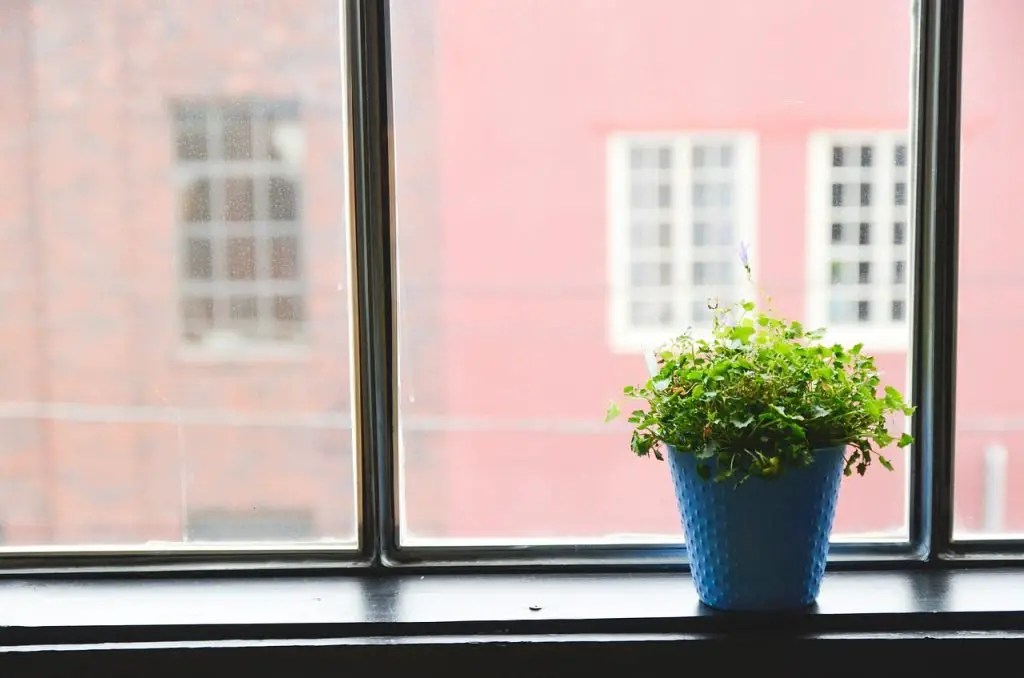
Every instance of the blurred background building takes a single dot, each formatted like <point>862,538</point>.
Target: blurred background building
<point>573,180</point>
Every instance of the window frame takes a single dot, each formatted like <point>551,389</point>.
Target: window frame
<point>933,204</point>
<point>218,231</point>
<point>934,147</point>
<point>922,593</point>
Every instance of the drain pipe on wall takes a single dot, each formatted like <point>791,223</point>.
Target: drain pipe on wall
<point>994,495</point>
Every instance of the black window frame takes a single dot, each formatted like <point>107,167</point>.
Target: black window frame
<point>935,136</point>
<point>936,72</point>
<point>934,604</point>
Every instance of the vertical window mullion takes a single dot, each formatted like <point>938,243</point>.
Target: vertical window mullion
<point>935,251</point>
<point>372,271</point>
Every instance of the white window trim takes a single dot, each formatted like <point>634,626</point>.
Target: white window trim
<point>819,220</point>
<point>623,337</point>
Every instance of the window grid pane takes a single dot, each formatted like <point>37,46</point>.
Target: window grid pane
<point>241,221</point>
<point>857,251</point>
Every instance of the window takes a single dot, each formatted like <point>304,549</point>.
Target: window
<point>174,213</point>
<point>203,200</point>
<point>680,206</point>
<point>239,166</point>
<point>857,237</point>
<point>482,391</point>
<point>989,502</point>
<point>546,234</point>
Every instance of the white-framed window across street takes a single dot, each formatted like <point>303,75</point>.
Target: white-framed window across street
<point>238,169</point>
<point>679,206</point>
<point>858,237</point>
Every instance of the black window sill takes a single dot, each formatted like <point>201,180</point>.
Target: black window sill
<point>866,623</point>
<point>476,608</point>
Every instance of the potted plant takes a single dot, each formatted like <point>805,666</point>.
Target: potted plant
<point>759,423</point>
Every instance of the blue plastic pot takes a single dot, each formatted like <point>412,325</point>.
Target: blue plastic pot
<point>762,545</point>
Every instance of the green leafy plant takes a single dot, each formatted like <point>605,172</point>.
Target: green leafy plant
<point>760,396</point>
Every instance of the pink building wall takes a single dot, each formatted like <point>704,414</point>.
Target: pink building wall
<point>528,93</point>
<point>503,109</point>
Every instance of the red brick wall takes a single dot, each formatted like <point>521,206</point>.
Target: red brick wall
<point>89,298</point>
<point>24,454</point>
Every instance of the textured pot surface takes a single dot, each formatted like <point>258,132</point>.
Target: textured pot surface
<point>763,545</point>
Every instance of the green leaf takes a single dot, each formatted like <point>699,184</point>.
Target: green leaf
<point>893,397</point>
<point>742,333</point>
<point>885,462</point>
<point>748,305</point>
<point>781,410</point>
<point>742,423</point>
<point>905,439</point>
<point>640,444</point>
<point>613,411</point>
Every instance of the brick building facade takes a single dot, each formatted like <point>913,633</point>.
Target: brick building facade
<point>115,427</point>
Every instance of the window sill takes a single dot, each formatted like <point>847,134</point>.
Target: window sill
<point>509,625</point>
<point>351,606</point>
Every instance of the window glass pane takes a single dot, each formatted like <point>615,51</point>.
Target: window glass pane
<point>283,139</point>
<point>195,201</point>
<point>238,199</point>
<point>192,130</point>
<point>283,205</point>
<point>284,258</point>
<point>287,315</point>
<point>990,409</point>
<point>241,258</point>
<point>162,382</point>
<point>199,259</point>
<point>237,131</point>
<point>524,205</point>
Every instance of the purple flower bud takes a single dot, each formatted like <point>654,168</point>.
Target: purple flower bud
<point>745,254</point>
